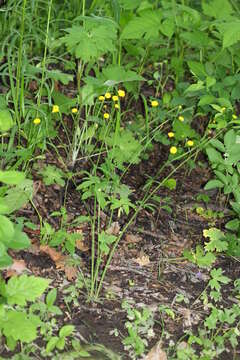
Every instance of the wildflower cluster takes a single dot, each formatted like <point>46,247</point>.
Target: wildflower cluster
<point>115,98</point>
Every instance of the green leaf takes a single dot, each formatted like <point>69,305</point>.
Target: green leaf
<point>51,297</point>
<point>114,74</point>
<point>221,177</point>
<point>93,40</point>
<point>197,69</point>
<point>213,184</point>
<point>195,87</point>
<point>6,121</point>
<point>52,175</point>
<point>5,259</point>
<point>19,240</point>
<point>11,177</point>
<point>230,139</point>
<point>51,344</point>
<point>6,229</point>
<point>219,9</point>
<point>206,100</point>
<point>230,32</point>
<point>66,331</point>
<point>233,225</point>
<point>147,25</point>
<point>168,27</point>
<point>217,240</point>
<point>17,197</point>
<point>214,156</point>
<point>57,75</point>
<point>218,145</point>
<point>170,184</point>
<point>19,326</point>
<point>25,288</point>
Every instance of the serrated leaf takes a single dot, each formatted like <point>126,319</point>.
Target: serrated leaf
<point>219,9</point>
<point>230,32</point>
<point>217,240</point>
<point>168,27</point>
<point>6,229</point>
<point>25,288</point>
<point>19,326</point>
<point>232,225</point>
<point>147,25</point>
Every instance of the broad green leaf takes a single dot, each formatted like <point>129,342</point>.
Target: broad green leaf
<point>66,330</point>
<point>147,25</point>
<point>213,184</point>
<point>11,177</point>
<point>25,288</point>
<point>197,69</point>
<point>232,225</point>
<point>19,240</point>
<point>6,229</point>
<point>6,121</point>
<point>18,196</point>
<point>219,9</point>
<point>230,32</point>
<point>195,87</point>
<point>218,145</point>
<point>51,344</point>
<point>114,74</point>
<point>20,326</point>
<point>206,100</point>
<point>129,4</point>
<point>221,177</point>
<point>170,184</point>
<point>168,27</point>
<point>196,38</point>
<point>5,259</point>
<point>214,156</point>
<point>230,139</point>
<point>51,297</point>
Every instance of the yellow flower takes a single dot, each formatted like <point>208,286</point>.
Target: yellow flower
<point>190,143</point>
<point>106,116</point>
<point>234,117</point>
<point>121,93</point>
<point>55,109</point>
<point>36,121</point>
<point>101,98</point>
<point>74,110</point>
<point>171,134</point>
<point>115,98</point>
<point>154,103</point>
<point>181,118</point>
<point>173,150</point>
<point>108,95</point>
<point>116,106</point>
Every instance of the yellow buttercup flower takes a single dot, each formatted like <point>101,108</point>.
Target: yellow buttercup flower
<point>74,110</point>
<point>36,121</point>
<point>190,143</point>
<point>101,98</point>
<point>108,95</point>
<point>106,116</point>
<point>121,93</point>
<point>115,98</point>
<point>116,106</point>
<point>55,109</point>
<point>181,118</point>
<point>154,103</point>
<point>171,134</point>
<point>173,150</point>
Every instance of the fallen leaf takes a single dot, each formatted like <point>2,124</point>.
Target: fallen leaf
<point>17,267</point>
<point>131,238</point>
<point>71,272</point>
<point>142,260</point>
<point>156,353</point>
<point>52,253</point>
<point>113,229</point>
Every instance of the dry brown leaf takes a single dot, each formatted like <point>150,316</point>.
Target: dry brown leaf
<point>113,229</point>
<point>156,353</point>
<point>131,238</point>
<point>17,267</point>
<point>71,272</point>
<point>142,260</point>
<point>52,253</point>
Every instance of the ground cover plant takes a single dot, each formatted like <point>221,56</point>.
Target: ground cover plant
<point>119,179</point>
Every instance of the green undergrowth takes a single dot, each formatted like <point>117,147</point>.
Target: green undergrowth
<point>99,86</point>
